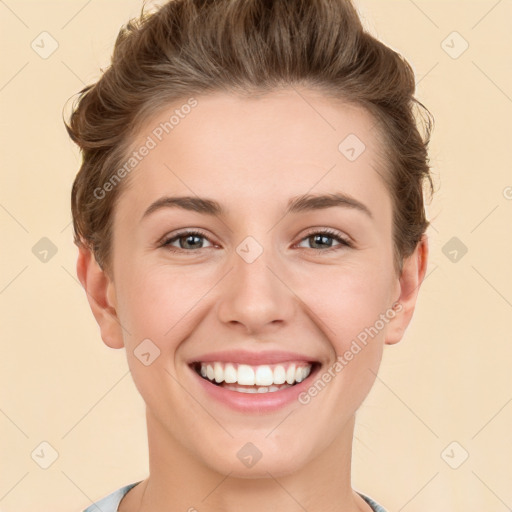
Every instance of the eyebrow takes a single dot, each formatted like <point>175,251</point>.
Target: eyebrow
<point>320,201</point>
<point>306,202</point>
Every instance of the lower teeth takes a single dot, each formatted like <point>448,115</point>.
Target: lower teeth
<point>255,389</point>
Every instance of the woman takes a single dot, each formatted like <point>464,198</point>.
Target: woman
<point>250,221</point>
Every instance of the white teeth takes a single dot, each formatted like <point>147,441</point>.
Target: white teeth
<point>279,375</point>
<point>230,374</point>
<point>290,374</point>
<point>264,377</point>
<point>245,375</point>
<point>254,389</point>
<point>218,372</point>
<point>306,371</point>
<point>302,373</point>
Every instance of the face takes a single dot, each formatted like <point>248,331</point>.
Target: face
<point>255,274</point>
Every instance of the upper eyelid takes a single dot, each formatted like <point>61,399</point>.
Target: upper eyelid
<point>167,238</point>
<point>345,239</point>
<point>330,231</point>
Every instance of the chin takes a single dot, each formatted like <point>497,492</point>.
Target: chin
<point>247,461</point>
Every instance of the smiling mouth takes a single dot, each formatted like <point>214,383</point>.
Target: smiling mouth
<point>245,378</point>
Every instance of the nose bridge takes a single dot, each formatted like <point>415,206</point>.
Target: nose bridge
<point>254,295</point>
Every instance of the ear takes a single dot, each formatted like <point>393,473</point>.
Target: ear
<point>100,292</point>
<point>413,273</point>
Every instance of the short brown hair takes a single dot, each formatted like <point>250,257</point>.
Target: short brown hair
<point>193,47</point>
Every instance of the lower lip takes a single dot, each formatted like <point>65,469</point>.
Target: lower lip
<point>255,402</point>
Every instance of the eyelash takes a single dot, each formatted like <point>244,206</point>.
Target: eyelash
<point>329,232</point>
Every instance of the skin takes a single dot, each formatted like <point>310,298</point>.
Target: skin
<point>252,156</point>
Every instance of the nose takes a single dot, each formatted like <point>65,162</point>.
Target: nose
<point>255,296</point>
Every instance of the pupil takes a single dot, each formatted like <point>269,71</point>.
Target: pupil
<point>323,239</point>
<point>189,237</point>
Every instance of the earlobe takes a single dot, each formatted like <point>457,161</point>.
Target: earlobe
<point>100,292</point>
<point>413,273</point>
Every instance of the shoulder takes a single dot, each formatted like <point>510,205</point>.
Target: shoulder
<point>110,502</point>
<point>375,506</point>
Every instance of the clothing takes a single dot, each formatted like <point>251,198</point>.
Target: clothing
<point>111,502</point>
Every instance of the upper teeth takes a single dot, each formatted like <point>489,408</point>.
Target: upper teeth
<point>263,375</point>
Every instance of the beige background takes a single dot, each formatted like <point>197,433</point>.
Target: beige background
<point>448,380</point>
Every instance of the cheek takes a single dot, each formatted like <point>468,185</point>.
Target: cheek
<point>157,308</point>
<point>347,300</point>
<point>156,301</point>
<point>351,306</point>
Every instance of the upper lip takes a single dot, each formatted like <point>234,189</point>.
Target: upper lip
<point>252,358</point>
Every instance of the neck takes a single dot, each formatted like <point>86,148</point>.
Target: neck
<point>179,481</point>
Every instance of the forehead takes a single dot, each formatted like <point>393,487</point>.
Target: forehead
<point>258,152</point>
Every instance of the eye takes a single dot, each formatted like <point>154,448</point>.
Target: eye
<point>324,238</point>
<point>188,241</point>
